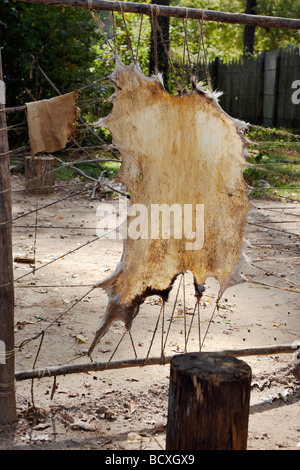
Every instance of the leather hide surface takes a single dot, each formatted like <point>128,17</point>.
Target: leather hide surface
<point>182,150</point>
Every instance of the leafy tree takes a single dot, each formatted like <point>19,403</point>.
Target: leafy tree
<point>226,41</point>
<point>61,41</point>
<point>68,45</point>
<point>271,38</point>
<point>249,33</point>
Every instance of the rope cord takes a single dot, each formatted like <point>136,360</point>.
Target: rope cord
<point>127,33</point>
<point>139,38</point>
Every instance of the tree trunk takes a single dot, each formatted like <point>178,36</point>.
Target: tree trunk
<point>159,48</point>
<point>7,356</point>
<point>208,402</point>
<point>249,33</point>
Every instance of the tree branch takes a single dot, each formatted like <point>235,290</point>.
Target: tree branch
<point>99,366</point>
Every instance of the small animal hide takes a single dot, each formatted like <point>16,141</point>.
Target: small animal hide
<point>182,150</point>
<point>51,122</point>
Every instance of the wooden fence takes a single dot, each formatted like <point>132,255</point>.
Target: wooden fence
<point>259,90</point>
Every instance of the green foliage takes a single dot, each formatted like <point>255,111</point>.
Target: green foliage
<point>70,48</point>
<point>274,164</point>
<point>65,173</point>
<point>60,39</point>
<point>62,42</point>
<point>225,40</point>
<point>271,38</point>
<point>127,46</point>
<point>220,40</point>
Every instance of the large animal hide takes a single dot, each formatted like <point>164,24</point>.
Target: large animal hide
<point>182,150</point>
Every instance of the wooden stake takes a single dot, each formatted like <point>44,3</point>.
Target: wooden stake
<point>209,401</point>
<point>176,12</point>
<point>7,357</point>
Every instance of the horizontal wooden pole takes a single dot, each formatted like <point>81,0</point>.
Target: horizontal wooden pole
<point>100,366</point>
<point>176,12</point>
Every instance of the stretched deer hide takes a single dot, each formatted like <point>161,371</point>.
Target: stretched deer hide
<point>184,152</point>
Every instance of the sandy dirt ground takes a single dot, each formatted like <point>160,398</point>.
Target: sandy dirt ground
<point>126,409</point>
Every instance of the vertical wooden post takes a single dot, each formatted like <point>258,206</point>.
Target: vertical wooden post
<point>271,88</point>
<point>161,44</point>
<point>249,31</point>
<point>7,357</point>
<point>208,402</point>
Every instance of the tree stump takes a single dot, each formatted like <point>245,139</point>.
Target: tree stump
<point>208,402</point>
<point>39,174</point>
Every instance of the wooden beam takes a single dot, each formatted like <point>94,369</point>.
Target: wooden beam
<point>100,366</point>
<point>176,12</point>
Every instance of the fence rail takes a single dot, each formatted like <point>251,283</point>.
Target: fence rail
<point>260,89</point>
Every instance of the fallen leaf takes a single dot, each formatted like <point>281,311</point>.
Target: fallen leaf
<point>109,414</point>
<point>41,426</point>
<point>178,349</point>
<point>104,350</point>
<point>21,324</point>
<point>67,417</point>
<point>20,259</point>
<point>159,428</point>
<point>80,339</point>
<point>101,410</point>
<point>79,424</point>
<point>133,436</point>
<point>34,437</point>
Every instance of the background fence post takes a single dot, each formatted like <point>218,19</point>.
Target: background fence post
<point>270,88</point>
<point>7,358</point>
<point>209,401</point>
